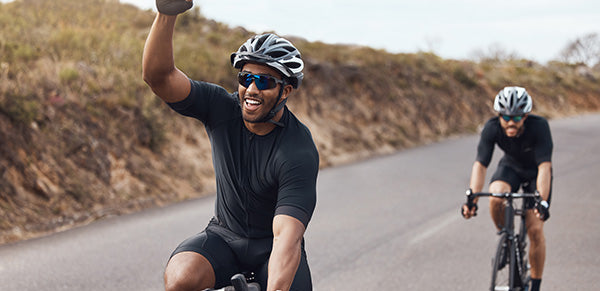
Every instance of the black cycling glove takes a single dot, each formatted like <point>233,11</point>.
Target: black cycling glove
<point>173,7</point>
<point>472,206</point>
<point>543,209</point>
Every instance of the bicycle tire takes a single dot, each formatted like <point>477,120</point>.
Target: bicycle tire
<point>500,267</point>
<point>523,263</point>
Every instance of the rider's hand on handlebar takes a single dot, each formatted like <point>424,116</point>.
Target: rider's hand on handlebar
<point>468,213</point>
<point>469,209</point>
<point>173,7</point>
<point>542,210</point>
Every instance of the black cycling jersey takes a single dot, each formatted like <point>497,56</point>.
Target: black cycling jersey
<point>257,177</point>
<point>524,152</point>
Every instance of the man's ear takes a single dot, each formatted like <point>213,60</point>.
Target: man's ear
<point>287,90</point>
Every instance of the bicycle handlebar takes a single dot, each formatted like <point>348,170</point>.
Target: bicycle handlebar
<point>238,282</point>
<point>541,208</point>
<point>247,287</point>
<point>471,196</point>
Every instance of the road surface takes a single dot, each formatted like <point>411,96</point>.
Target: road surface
<point>388,223</point>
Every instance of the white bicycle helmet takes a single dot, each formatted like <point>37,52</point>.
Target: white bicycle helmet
<point>513,101</point>
<point>273,51</point>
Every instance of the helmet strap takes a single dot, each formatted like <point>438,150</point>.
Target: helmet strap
<point>278,106</point>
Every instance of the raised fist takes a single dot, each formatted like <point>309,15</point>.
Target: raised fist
<point>173,7</point>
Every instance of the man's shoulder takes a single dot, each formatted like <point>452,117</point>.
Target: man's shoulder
<point>492,121</point>
<point>537,119</point>
<point>295,127</point>
<point>492,125</point>
<point>297,139</point>
<point>201,88</point>
<point>540,124</point>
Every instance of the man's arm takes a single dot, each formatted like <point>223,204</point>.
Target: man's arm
<point>158,65</point>
<point>477,177</point>
<point>543,184</point>
<point>544,179</point>
<point>285,256</point>
<point>476,185</point>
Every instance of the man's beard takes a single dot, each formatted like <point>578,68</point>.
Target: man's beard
<point>261,117</point>
<point>257,119</point>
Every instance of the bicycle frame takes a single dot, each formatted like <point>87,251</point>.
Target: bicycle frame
<point>515,241</point>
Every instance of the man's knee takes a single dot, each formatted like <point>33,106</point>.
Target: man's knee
<point>500,186</point>
<point>536,234</point>
<point>188,271</point>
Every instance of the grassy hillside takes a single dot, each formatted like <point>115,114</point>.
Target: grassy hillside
<point>82,137</point>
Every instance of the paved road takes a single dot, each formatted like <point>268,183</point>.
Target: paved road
<point>389,223</point>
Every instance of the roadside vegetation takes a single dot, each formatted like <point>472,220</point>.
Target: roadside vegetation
<point>82,137</point>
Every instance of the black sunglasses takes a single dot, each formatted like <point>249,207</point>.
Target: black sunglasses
<point>262,82</point>
<point>515,118</point>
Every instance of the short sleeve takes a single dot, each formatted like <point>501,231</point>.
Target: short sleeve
<point>297,190</point>
<point>544,145</point>
<point>485,148</point>
<point>206,102</point>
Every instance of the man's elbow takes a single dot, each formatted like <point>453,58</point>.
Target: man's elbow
<point>545,166</point>
<point>152,79</point>
<point>288,229</point>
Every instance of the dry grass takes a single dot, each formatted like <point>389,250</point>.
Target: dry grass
<point>82,137</point>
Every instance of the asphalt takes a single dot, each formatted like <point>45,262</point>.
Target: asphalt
<point>387,223</point>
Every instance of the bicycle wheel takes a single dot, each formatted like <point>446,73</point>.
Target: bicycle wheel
<point>523,263</point>
<point>500,268</point>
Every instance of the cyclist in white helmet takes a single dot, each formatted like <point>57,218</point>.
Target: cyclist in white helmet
<point>527,144</point>
<point>265,162</point>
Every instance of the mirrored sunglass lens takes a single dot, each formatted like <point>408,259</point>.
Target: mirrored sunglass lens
<point>516,118</point>
<point>262,82</point>
<point>244,79</point>
<point>248,81</point>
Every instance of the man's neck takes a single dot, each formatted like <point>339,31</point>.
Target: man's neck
<point>263,128</point>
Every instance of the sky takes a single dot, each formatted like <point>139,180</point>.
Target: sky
<point>456,29</point>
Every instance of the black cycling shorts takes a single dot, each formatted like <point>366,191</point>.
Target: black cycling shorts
<point>230,254</point>
<point>518,180</point>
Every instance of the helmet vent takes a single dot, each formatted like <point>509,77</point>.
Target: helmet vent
<point>261,40</point>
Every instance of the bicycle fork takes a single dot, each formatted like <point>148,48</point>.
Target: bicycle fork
<point>513,248</point>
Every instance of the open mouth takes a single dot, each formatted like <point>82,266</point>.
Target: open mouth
<point>252,103</point>
<point>511,130</point>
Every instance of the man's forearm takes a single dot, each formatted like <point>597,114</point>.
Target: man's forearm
<point>544,179</point>
<point>286,252</point>
<point>477,177</point>
<point>157,59</point>
<point>283,264</point>
<point>158,64</point>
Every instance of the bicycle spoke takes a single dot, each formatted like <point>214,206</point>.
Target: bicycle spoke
<point>500,268</point>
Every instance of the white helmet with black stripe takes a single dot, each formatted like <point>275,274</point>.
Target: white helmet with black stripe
<point>513,101</point>
<point>273,51</point>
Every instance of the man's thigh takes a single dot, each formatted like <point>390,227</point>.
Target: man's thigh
<point>188,270</point>
<point>208,245</point>
<point>505,179</point>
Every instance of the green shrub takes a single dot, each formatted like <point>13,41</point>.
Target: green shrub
<point>20,109</point>
<point>68,75</point>
<point>464,78</point>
